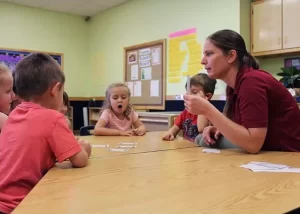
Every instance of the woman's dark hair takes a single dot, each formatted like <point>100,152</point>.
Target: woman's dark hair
<point>227,40</point>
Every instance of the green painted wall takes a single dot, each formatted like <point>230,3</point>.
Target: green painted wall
<point>140,21</point>
<point>41,30</point>
<point>94,50</point>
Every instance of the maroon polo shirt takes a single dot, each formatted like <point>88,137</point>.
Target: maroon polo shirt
<point>259,100</point>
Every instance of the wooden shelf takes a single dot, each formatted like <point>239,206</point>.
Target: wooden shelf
<point>94,114</point>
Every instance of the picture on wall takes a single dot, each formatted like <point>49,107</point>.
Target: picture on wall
<point>12,57</point>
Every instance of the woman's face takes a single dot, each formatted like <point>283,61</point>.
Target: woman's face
<point>215,61</point>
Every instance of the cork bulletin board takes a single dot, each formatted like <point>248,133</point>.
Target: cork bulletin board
<point>144,73</point>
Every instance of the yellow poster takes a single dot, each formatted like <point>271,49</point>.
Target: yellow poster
<point>188,57</point>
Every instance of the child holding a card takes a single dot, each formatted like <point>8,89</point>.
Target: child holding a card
<point>192,125</point>
<point>118,116</point>
<point>35,134</point>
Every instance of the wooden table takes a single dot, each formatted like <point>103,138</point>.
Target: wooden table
<point>150,142</point>
<point>171,181</point>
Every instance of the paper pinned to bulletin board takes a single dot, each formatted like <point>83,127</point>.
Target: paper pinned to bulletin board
<point>184,55</point>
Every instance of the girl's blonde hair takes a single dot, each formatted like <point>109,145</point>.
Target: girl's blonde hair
<point>3,69</point>
<point>107,104</point>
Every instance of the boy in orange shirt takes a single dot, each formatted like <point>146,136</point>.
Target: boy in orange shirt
<point>36,134</point>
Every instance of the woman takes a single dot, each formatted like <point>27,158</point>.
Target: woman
<point>259,113</point>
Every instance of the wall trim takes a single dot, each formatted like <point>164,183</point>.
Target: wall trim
<point>218,97</point>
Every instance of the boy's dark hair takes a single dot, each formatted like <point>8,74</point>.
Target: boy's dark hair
<point>66,99</point>
<point>204,81</point>
<point>35,74</point>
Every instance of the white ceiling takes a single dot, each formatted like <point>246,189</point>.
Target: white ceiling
<point>77,7</point>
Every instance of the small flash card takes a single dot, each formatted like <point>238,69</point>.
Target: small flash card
<point>100,145</point>
<point>118,150</point>
<point>128,143</point>
<point>126,146</point>
<point>188,84</point>
<point>211,151</point>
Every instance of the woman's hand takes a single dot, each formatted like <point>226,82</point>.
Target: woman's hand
<point>210,135</point>
<point>196,104</point>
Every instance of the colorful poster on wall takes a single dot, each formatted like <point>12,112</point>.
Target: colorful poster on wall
<point>190,55</point>
<point>12,57</point>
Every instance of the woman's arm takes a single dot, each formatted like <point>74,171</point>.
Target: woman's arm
<point>251,139</point>
<point>252,108</point>
<point>202,122</point>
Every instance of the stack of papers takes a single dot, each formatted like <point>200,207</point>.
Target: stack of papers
<point>269,167</point>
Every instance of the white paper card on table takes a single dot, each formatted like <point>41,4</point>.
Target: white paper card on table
<point>154,88</point>
<point>127,143</point>
<point>211,151</point>
<point>100,145</point>
<point>269,167</point>
<point>118,150</point>
<point>126,146</point>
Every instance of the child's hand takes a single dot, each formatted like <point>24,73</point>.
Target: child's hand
<point>126,133</point>
<point>86,146</point>
<point>140,131</point>
<point>168,136</point>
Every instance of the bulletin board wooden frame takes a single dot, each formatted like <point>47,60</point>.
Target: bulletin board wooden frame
<point>147,99</point>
